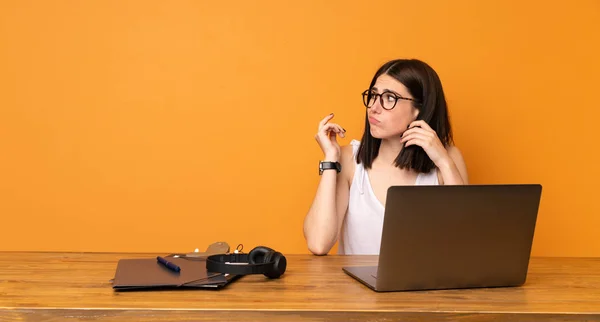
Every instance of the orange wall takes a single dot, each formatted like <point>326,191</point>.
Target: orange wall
<point>168,125</point>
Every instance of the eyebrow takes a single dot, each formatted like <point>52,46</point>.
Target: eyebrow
<point>388,91</point>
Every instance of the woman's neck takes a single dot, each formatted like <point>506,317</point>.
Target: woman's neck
<point>389,150</point>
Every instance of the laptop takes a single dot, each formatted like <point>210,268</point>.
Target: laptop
<point>452,237</point>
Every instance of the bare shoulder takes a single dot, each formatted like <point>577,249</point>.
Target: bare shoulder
<point>454,153</point>
<point>459,161</point>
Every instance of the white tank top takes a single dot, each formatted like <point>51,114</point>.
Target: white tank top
<point>361,230</point>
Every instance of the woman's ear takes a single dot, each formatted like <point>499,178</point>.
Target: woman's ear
<point>416,113</point>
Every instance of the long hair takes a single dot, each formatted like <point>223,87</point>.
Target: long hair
<point>425,87</point>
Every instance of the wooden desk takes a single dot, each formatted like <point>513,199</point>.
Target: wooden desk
<point>75,286</point>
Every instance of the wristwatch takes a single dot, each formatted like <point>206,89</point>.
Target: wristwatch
<point>327,165</point>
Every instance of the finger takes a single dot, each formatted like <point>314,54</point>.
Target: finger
<point>337,127</point>
<point>333,136</point>
<point>417,130</point>
<point>325,120</point>
<point>327,132</point>
<point>418,142</point>
<point>413,136</point>
<point>333,127</point>
<point>330,127</point>
<point>326,125</point>
<point>340,130</point>
<point>420,123</point>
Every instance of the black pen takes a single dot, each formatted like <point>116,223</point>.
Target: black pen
<point>168,264</point>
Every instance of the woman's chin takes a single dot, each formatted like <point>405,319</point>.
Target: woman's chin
<point>384,136</point>
<point>376,134</point>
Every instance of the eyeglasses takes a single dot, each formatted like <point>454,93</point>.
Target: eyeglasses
<point>388,100</point>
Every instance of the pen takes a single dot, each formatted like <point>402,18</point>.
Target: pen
<point>168,264</point>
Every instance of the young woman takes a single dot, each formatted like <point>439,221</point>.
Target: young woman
<point>407,141</point>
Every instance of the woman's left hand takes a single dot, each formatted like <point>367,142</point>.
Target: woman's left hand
<point>421,134</point>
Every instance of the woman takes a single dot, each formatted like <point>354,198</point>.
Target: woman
<point>407,141</point>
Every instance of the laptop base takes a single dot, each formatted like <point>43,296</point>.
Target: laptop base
<point>364,274</point>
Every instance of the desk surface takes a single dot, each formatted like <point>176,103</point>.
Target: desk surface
<point>54,286</point>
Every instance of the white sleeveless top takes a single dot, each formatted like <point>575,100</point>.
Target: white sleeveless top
<point>361,230</point>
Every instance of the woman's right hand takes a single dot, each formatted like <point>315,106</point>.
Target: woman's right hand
<point>326,137</point>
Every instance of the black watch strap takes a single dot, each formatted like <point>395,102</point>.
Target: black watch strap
<point>329,165</point>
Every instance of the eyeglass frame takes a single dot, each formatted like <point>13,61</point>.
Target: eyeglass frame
<point>396,96</point>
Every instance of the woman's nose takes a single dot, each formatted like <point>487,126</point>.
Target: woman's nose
<point>376,108</point>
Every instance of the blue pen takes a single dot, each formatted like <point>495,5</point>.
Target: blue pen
<point>168,264</point>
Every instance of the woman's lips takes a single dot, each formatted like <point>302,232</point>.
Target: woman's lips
<point>373,120</point>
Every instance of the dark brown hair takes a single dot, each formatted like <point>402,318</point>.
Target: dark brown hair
<point>425,87</point>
